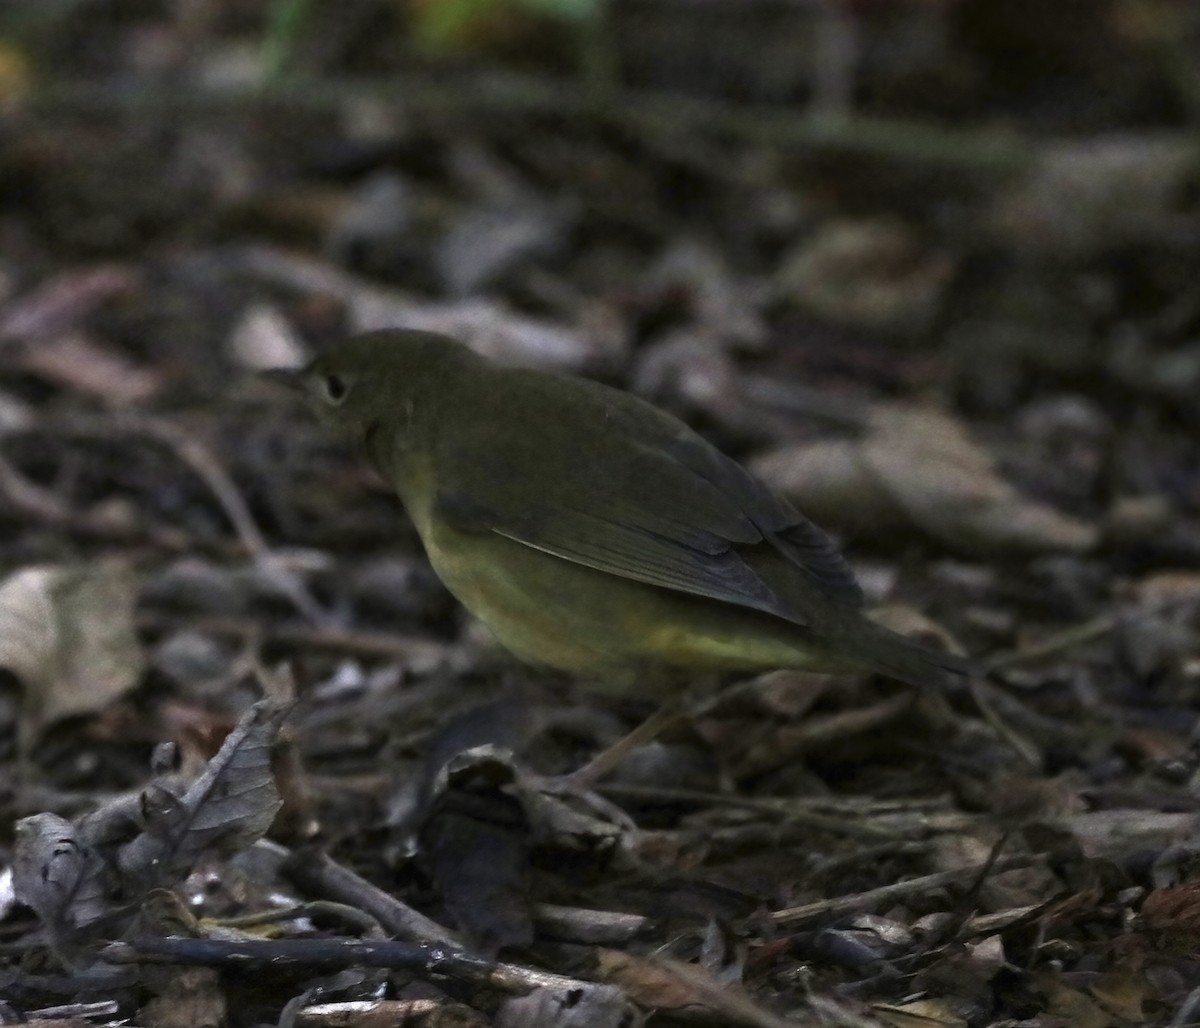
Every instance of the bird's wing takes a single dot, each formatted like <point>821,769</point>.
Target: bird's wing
<point>698,565</point>
<point>615,484</point>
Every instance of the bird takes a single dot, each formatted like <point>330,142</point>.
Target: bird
<point>593,532</point>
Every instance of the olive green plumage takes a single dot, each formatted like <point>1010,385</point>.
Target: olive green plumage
<point>593,532</point>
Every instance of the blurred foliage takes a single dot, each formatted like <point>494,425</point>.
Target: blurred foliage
<point>448,24</point>
<point>287,18</point>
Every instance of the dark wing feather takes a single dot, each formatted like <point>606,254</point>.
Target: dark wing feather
<point>702,567</point>
<point>644,557</point>
<point>617,485</point>
<point>807,548</point>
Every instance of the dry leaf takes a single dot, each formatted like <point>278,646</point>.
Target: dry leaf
<point>600,1006</point>
<point>950,487</point>
<point>866,273</point>
<point>90,367</point>
<point>264,338</point>
<point>61,303</point>
<point>230,806</point>
<point>719,304</point>
<point>1075,1007</point>
<point>190,997</point>
<point>488,326</point>
<point>1122,991</point>
<point>1171,917</point>
<point>60,877</point>
<point>486,243</point>
<point>1082,197</point>
<point>648,983</point>
<point>923,1013</point>
<point>68,636</point>
<point>401,1013</point>
<point>832,484</point>
<point>662,984</point>
<point>918,467</point>
<point>82,876</point>
<point>374,221</point>
<point>475,839</point>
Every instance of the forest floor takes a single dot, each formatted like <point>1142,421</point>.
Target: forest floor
<point>244,728</point>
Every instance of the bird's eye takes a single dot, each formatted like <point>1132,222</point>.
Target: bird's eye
<point>336,388</point>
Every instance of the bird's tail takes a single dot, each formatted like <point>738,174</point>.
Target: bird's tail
<point>901,658</point>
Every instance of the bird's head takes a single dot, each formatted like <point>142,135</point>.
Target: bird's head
<point>376,378</point>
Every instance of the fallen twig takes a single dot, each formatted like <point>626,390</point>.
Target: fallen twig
<point>838,906</point>
<point>321,874</point>
<point>439,961</point>
<point>340,640</point>
<point>1085,632</point>
<point>201,461</point>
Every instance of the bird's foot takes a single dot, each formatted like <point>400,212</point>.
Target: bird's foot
<point>580,785</point>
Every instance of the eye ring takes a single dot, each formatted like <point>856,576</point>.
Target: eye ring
<point>336,389</point>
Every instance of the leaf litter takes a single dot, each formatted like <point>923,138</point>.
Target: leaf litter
<point>970,351</point>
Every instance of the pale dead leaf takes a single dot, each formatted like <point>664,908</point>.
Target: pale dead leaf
<point>832,485</point>
<point>723,306</point>
<point>263,338</point>
<point>380,213</point>
<point>488,242</point>
<point>499,333</point>
<point>67,1022</point>
<point>950,487</point>
<point>90,367</point>
<point>918,468</point>
<point>410,1013</point>
<point>80,877</point>
<point>1162,587</point>
<point>486,325</point>
<point>1084,196</point>
<point>68,636</point>
<point>870,273</point>
<point>908,621</point>
<point>59,304</point>
<point>923,1013</point>
<point>600,1006</point>
<point>662,984</point>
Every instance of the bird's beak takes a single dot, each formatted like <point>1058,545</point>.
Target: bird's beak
<point>292,378</point>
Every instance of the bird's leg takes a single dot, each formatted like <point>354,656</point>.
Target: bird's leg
<point>585,778</point>
<point>581,783</point>
<point>685,697</point>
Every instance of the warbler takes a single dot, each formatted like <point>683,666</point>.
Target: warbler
<point>591,531</point>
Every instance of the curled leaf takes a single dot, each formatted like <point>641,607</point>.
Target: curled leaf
<point>60,877</point>
<point>230,806</point>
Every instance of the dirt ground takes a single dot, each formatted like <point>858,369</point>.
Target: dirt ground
<point>928,267</point>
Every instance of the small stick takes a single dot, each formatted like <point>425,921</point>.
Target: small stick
<point>320,873</point>
<point>356,643</point>
<point>201,461</point>
<point>244,954</point>
<point>809,913</point>
<point>1094,628</point>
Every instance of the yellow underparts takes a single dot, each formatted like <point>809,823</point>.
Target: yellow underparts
<point>551,611</point>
